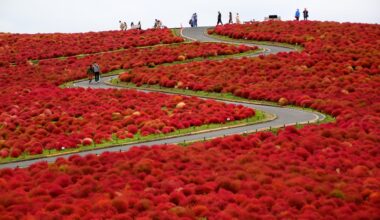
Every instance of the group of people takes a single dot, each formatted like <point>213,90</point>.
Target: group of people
<point>93,70</point>
<point>124,26</point>
<point>157,24</point>
<point>237,18</point>
<point>137,26</point>
<point>194,20</point>
<point>305,14</point>
<point>230,20</point>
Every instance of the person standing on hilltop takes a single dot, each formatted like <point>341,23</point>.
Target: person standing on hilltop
<point>297,15</point>
<point>230,18</point>
<point>121,25</point>
<point>191,21</point>
<point>219,19</point>
<point>305,14</point>
<point>139,25</point>
<point>238,18</point>
<point>195,20</point>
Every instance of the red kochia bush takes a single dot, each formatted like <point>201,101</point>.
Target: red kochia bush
<point>15,152</point>
<point>132,129</point>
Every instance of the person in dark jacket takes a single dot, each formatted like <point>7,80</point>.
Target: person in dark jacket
<point>195,19</point>
<point>230,18</point>
<point>139,25</point>
<point>90,73</point>
<point>305,14</point>
<point>219,19</point>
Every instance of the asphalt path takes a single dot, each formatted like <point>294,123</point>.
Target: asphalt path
<point>200,34</point>
<point>284,116</point>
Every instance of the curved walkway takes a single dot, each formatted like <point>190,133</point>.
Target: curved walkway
<point>199,34</point>
<point>285,116</point>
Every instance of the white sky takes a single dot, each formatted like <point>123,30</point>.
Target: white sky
<point>32,16</point>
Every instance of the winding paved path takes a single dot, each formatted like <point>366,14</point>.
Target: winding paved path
<point>285,116</point>
<point>199,34</point>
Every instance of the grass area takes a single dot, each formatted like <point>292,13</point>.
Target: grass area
<point>176,32</point>
<point>259,117</point>
<point>267,43</point>
<point>35,62</point>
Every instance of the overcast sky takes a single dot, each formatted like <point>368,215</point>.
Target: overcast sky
<point>32,16</point>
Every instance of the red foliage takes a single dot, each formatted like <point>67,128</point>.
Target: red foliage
<point>35,115</point>
<point>21,47</point>
<point>201,180</point>
<point>328,171</point>
<point>15,152</point>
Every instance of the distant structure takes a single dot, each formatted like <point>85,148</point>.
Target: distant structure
<point>272,17</point>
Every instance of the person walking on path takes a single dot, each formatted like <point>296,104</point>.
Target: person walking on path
<point>297,15</point>
<point>191,21</point>
<point>238,18</point>
<point>219,19</point>
<point>195,20</point>
<point>90,74</point>
<point>96,70</point>
<point>230,18</point>
<point>305,14</point>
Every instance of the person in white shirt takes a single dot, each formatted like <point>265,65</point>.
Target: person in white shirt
<point>121,25</point>
<point>237,18</point>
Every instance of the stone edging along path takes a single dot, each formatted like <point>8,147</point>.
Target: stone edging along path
<point>278,116</point>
